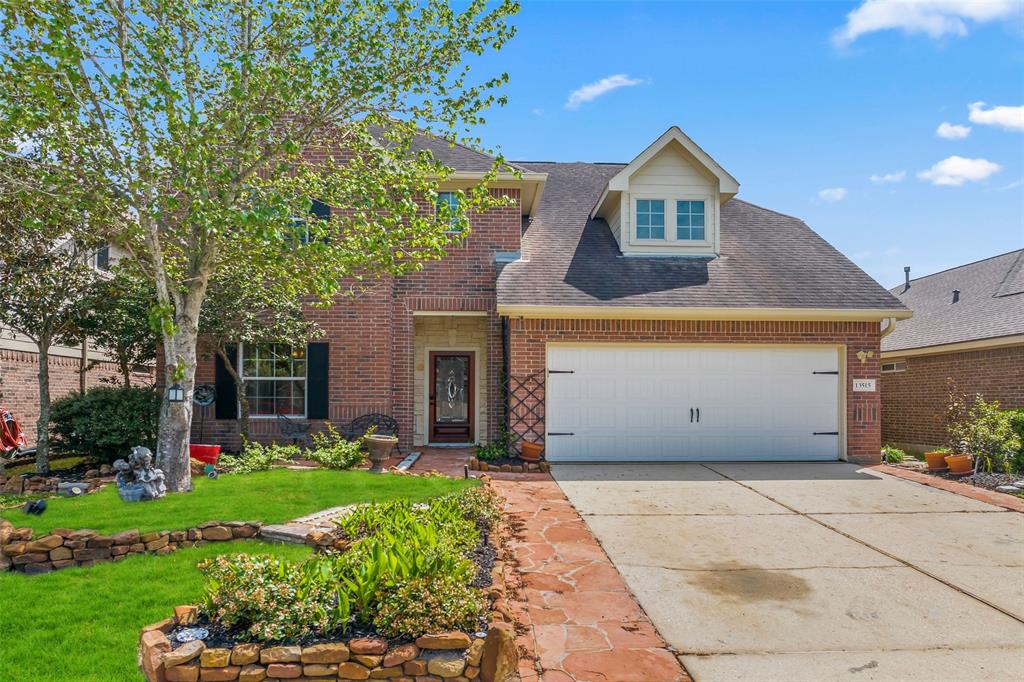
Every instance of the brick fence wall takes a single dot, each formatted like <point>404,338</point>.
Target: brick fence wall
<point>529,339</point>
<point>19,382</point>
<point>914,401</point>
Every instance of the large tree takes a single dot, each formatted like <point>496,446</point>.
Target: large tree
<point>48,225</point>
<point>219,120</point>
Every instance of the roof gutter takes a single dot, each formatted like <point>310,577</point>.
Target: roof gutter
<point>960,347</point>
<point>702,313</point>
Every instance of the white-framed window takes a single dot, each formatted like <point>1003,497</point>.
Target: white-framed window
<point>101,259</point>
<point>890,367</point>
<point>447,208</point>
<point>690,221</point>
<point>650,218</point>
<point>275,379</point>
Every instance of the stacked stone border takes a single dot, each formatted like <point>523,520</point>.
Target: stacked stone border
<point>64,548</point>
<point>541,467</point>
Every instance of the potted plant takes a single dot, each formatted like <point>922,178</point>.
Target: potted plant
<point>531,452</point>
<point>380,448</point>
<point>936,459</point>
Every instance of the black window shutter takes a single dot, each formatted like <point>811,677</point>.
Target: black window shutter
<point>226,406</point>
<point>317,367</point>
<point>320,209</point>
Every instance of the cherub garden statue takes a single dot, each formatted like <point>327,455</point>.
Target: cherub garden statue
<point>137,479</point>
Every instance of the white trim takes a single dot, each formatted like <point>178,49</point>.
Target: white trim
<point>428,371</point>
<point>961,347</point>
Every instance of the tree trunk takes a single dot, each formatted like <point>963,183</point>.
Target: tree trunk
<point>43,424</point>
<point>83,365</point>
<point>176,418</point>
<point>126,372</point>
<point>243,402</point>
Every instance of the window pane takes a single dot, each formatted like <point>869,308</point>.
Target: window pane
<point>697,207</point>
<point>299,368</point>
<point>658,232</point>
<point>698,220</point>
<point>643,219</point>
<point>697,233</point>
<point>643,205</point>
<point>683,220</point>
<point>643,232</point>
<point>248,365</point>
<point>657,205</point>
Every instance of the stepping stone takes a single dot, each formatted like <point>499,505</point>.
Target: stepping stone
<point>288,533</point>
<point>407,463</point>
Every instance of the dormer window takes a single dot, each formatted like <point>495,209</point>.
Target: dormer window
<point>447,208</point>
<point>650,218</point>
<point>690,221</point>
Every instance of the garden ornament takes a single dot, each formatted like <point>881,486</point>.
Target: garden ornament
<point>137,479</point>
<point>36,507</point>
<point>192,634</point>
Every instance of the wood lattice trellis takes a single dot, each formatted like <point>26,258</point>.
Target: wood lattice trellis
<point>524,401</point>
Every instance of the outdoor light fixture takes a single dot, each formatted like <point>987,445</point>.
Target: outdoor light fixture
<point>176,394</point>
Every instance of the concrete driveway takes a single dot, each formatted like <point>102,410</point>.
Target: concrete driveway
<point>811,571</point>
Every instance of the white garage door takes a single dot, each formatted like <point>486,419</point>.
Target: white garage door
<point>691,403</point>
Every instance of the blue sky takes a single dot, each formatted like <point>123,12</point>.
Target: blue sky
<point>802,104</point>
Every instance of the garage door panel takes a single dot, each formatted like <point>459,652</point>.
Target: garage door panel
<point>634,402</point>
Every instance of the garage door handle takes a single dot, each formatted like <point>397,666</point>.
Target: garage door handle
<point>829,372</point>
<point>561,433</point>
<point>691,415</point>
<point>825,433</point>
<point>698,415</point>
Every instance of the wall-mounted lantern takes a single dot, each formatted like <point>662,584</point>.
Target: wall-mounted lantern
<point>176,394</point>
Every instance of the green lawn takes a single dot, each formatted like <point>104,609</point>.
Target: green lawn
<point>272,497</point>
<point>83,623</point>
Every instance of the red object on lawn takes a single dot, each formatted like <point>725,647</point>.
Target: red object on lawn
<point>12,438</point>
<point>204,453</point>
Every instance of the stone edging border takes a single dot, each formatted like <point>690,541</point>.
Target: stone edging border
<point>972,491</point>
<point>541,467</point>
<point>448,656</point>
<point>64,548</point>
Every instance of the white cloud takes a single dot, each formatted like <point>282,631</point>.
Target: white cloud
<point>951,131</point>
<point>832,194</point>
<point>956,170</point>
<point>888,178</point>
<point>1013,185</point>
<point>934,18</point>
<point>592,91</point>
<point>1009,118</point>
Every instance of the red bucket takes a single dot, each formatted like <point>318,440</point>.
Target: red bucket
<point>204,453</point>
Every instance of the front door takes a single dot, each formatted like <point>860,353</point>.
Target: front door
<point>451,397</point>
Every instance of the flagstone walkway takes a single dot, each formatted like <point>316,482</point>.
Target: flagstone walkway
<point>581,623</point>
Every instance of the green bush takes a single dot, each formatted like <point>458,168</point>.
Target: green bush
<point>1017,425</point>
<point>332,451</point>
<point>891,455</point>
<point>499,448</point>
<point>981,429</point>
<point>433,604</point>
<point>105,423</point>
<point>258,457</point>
<point>271,600</point>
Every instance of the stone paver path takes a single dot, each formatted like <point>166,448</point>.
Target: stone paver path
<point>581,622</point>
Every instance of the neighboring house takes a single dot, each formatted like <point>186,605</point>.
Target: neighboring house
<point>19,368</point>
<point>968,332</point>
<point>638,311</point>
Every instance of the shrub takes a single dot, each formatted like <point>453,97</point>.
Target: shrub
<point>105,423</point>
<point>891,455</point>
<point>271,600</point>
<point>433,604</point>
<point>480,505</point>
<point>258,457</point>
<point>331,450</point>
<point>1017,425</point>
<point>499,448</point>
<point>983,430</point>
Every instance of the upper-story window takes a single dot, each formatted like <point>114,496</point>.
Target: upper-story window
<point>650,218</point>
<point>690,220</point>
<point>447,208</point>
<point>101,260</point>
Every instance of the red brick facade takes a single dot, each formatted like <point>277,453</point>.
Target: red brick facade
<point>371,337</point>
<point>914,401</point>
<point>529,338</point>
<point>19,382</point>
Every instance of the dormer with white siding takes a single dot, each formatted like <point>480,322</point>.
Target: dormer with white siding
<point>666,201</point>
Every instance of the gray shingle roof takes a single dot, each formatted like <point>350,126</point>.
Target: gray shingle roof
<point>768,259</point>
<point>455,155</point>
<point>991,304</point>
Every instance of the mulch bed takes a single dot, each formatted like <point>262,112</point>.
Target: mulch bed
<point>982,479</point>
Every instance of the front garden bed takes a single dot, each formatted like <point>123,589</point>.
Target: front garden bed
<point>398,590</point>
<point>508,465</point>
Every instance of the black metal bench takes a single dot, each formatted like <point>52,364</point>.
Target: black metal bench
<point>296,431</point>
<point>385,425</point>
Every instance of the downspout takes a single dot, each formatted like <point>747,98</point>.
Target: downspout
<point>888,329</point>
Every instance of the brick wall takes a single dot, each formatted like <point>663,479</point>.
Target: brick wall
<point>863,428</point>
<point>372,336</point>
<point>914,401</point>
<point>19,383</point>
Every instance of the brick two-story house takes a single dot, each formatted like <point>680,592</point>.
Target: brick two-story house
<point>637,310</point>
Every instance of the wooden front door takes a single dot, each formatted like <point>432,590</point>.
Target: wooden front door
<point>451,397</point>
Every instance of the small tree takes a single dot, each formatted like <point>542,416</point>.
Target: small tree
<point>981,429</point>
<point>243,308</point>
<point>117,318</point>
<point>198,115</point>
<point>47,241</point>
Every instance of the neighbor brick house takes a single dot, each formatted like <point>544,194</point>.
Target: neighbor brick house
<point>967,333</point>
<point>638,311</point>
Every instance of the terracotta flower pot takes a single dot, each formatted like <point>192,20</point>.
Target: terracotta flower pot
<point>936,460</point>
<point>960,464</point>
<point>380,449</point>
<point>531,451</point>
